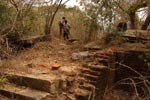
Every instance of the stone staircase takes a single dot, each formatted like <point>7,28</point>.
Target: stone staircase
<point>29,87</point>
<point>95,77</point>
<point>22,93</point>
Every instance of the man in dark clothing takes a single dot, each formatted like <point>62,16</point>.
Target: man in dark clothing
<point>61,26</point>
<point>66,30</point>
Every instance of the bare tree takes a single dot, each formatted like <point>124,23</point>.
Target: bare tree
<point>22,7</point>
<point>53,7</point>
<point>51,14</point>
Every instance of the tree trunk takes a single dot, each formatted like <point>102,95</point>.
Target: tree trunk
<point>132,16</point>
<point>53,16</point>
<point>47,30</point>
<point>146,23</point>
<point>50,19</point>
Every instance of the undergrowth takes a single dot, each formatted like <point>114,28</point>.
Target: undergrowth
<point>3,80</point>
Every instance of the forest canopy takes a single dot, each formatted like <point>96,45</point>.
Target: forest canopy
<point>21,18</point>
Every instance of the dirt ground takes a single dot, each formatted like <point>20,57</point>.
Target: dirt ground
<point>43,55</point>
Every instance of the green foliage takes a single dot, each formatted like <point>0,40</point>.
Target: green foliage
<point>116,33</point>
<point>100,15</point>
<point>5,16</point>
<point>4,10</point>
<point>148,3</point>
<point>146,58</point>
<point>31,23</point>
<point>75,20</point>
<point>3,80</point>
<point>114,38</point>
<point>13,36</point>
<point>147,55</point>
<point>91,26</point>
<point>102,10</point>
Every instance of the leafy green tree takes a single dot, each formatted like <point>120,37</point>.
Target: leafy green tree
<point>21,10</point>
<point>111,11</point>
<point>99,15</point>
<point>5,17</point>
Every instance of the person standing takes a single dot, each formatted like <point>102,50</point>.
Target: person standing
<point>61,26</point>
<point>66,30</point>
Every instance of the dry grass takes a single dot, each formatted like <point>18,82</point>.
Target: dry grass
<point>136,83</point>
<point>42,54</point>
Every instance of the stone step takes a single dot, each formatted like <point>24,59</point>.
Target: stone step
<point>89,71</point>
<point>102,60</point>
<point>105,56</point>
<point>21,93</point>
<point>70,97</point>
<point>40,82</point>
<point>5,98</point>
<point>90,77</point>
<point>81,94</point>
<point>87,86</point>
<point>98,67</point>
<point>103,63</point>
<point>83,80</point>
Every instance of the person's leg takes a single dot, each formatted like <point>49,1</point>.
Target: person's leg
<point>67,36</point>
<point>64,36</point>
<point>60,34</point>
